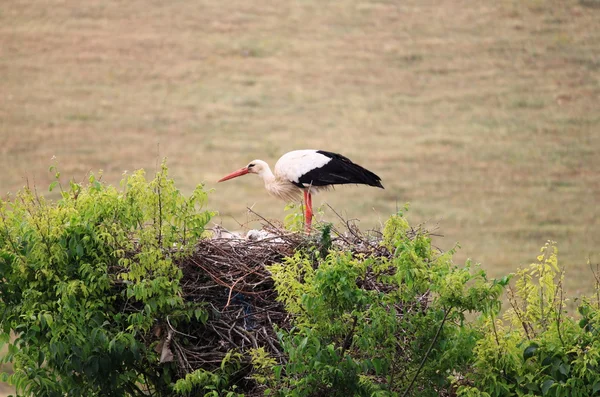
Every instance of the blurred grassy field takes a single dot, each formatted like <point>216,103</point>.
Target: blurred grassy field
<point>484,115</point>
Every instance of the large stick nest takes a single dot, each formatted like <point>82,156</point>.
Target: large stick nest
<point>228,275</point>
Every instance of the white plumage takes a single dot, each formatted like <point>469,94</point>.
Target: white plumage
<point>293,165</point>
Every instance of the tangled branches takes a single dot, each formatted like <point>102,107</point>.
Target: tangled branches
<point>228,276</point>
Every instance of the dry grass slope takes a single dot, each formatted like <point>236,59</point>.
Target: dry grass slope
<point>483,115</point>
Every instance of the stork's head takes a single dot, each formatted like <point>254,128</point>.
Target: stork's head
<point>254,167</point>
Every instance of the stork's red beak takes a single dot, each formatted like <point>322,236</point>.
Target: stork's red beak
<point>235,174</point>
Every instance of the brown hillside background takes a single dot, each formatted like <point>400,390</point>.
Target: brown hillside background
<point>485,116</point>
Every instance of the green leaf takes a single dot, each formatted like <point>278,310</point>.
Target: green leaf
<point>530,351</point>
<point>201,315</point>
<point>303,343</point>
<point>564,368</point>
<point>49,319</point>
<point>377,366</point>
<point>546,386</point>
<point>41,358</point>
<point>79,250</point>
<point>596,387</point>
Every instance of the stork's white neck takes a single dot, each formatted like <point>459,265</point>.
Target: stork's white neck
<point>275,185</point>
<point>266,174</point>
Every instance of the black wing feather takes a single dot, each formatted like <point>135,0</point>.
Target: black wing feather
<point>339,171</point>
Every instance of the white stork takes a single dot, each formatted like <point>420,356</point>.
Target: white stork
<point>307,171</point>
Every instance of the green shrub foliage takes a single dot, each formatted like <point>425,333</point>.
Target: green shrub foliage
<point>391,322</point>
<point>88,280</point>
<point>538,350</point>
<point>80,331</point>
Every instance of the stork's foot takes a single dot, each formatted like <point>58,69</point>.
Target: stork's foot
<point>307,229</point>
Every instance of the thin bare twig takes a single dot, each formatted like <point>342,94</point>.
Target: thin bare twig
<point>437,334</point>
<point>234,284</point>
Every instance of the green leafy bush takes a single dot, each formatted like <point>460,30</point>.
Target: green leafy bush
<point>80,329</point>
<point>89,282</point>
<point>384,322</point>
<point>211,383</point>
<point>538,350</point>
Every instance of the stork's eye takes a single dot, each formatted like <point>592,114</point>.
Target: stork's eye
<point>251,165</point>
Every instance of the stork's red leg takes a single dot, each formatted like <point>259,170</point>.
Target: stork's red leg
<point>309,211</point>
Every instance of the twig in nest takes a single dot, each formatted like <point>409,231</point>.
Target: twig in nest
<point>180,333</point>
<point>234,284</point>
<point>261,217</point>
